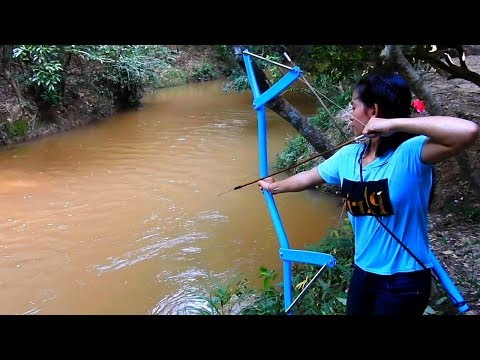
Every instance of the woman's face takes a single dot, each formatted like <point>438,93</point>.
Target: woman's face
<point>360,114</point>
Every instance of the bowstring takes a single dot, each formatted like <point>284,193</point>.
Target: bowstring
<point>316,93</point>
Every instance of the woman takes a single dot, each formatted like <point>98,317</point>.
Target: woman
<point>387,186</point>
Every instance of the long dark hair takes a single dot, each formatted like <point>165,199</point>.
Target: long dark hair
<point>391,92</point>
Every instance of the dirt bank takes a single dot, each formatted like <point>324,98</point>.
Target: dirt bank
<point>455,223</point>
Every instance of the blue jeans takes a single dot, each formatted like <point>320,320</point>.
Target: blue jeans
<point>398,294</point>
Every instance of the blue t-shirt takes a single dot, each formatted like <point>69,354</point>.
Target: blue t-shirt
<point>396,187</point>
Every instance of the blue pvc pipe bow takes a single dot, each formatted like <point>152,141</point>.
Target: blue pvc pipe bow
<point>288,255</point>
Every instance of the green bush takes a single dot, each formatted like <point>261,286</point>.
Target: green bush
<point>17,128</point>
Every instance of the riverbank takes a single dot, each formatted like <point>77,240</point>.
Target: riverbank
<point>83,102</point>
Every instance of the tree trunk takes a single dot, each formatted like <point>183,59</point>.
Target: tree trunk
<point>5,70</point>
<point>394,55</point>
<point>283,108</point>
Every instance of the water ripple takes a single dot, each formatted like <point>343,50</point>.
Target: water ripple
<point>152,250</point>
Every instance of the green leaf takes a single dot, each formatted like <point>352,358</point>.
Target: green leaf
<point>343,301</point>
<point>441,300</point>
<point>429,311</point>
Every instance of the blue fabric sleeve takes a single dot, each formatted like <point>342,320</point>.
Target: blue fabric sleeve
<point>411,154</point>
<point>330,169</point>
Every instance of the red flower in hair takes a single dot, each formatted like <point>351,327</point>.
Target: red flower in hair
<point>418,105</point>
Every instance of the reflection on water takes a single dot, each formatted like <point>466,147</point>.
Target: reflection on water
<point>124,217</point>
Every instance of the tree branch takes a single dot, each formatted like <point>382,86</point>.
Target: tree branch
<point>394,55</point>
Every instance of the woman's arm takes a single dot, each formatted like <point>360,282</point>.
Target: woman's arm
<point>298,182</point>
<point>447,135</point>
